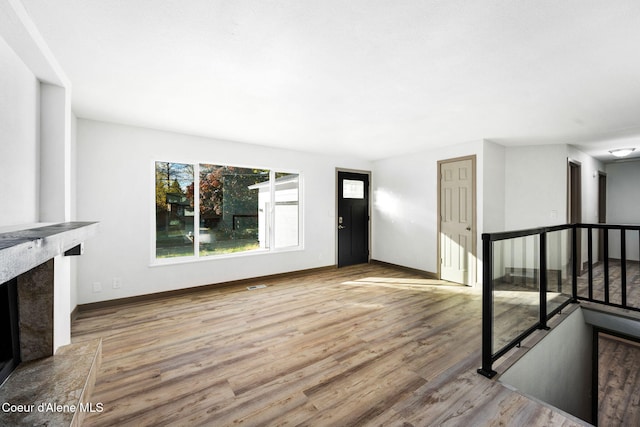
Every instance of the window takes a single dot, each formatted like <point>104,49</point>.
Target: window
<point>286,210</point>
<point>174,210</point>
<point>237,209</point>
<point>229,208</point>
<point>352,189</point>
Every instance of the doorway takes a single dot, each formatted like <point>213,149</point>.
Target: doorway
<point>574,204</point>
<point>602,211</point>
<point>353,218</point>
<point>457,225</point>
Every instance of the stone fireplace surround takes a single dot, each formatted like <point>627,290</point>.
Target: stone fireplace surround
<point>35,308</point>
<point>67,377</point>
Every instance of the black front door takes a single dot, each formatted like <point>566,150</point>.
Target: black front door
<point>353,218</point>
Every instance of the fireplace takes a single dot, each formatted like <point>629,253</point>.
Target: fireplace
<point>9,330</point>
<point>26,317</point>
<point>26,322</point>
<point>27,282</point>
<point>34,263</point>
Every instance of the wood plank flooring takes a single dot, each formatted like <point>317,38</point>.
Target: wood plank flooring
<point>615,283</point>
<point>362,345</point>
<point>618,381</point>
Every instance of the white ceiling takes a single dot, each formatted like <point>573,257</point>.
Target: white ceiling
<point>366,78</point>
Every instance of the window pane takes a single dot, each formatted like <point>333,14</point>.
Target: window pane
<point>174,210</point>
<point>286,211</point>
<point>229,220</point>
<point>352,189</point>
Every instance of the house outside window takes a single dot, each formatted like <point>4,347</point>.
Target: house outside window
<point>286,209</point>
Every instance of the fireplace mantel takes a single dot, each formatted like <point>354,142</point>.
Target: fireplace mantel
<point>23,249</point>
<point>28,255</point>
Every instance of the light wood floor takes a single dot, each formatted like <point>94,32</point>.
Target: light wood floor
<point>363,345</point>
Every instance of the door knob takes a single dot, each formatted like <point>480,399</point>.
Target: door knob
<point>468,228</point>
<point>341,227</point>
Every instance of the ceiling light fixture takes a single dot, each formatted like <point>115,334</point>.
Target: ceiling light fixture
<point>622,152</point>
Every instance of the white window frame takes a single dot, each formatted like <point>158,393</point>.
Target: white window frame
<point>196,257</point>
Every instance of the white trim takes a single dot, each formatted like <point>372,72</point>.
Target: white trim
<point>196,209</point>
<point>271,226</point>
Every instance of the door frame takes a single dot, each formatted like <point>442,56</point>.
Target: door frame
<point>602,212</point>
<point>574,203</point>
<point>473,278</point>
<point>574,190</point>
<point>335,216</point>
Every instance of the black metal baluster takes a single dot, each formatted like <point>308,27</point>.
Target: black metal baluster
<point>574,262</point>
<point>623,266</point>
<point>606,265</point>
<point>590,259</point>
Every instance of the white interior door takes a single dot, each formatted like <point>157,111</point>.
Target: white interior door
<point>456,221</point>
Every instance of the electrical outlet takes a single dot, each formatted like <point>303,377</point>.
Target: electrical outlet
<point>117,283</point>
<point>97,287</point>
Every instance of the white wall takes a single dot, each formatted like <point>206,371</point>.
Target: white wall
<point>115,186</point>
<point>623,192</point>
<point>535,186</point>
<point>19,159</point>
<point>405,203</point>
<point>536,195</point>
<point>623,204</point>
<point>494,187</point>
<point>589,168</point>
<point>35,114</point>
<point>55,154</point>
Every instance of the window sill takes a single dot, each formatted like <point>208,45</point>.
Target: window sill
<point>160,262</point>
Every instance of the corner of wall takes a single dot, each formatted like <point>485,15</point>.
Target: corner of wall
<point>74,205</point>
<point>52,144</point>
<point>494,187</point>
<point>535,186</point>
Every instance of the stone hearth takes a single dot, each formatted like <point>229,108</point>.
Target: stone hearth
<point>53,391</point>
